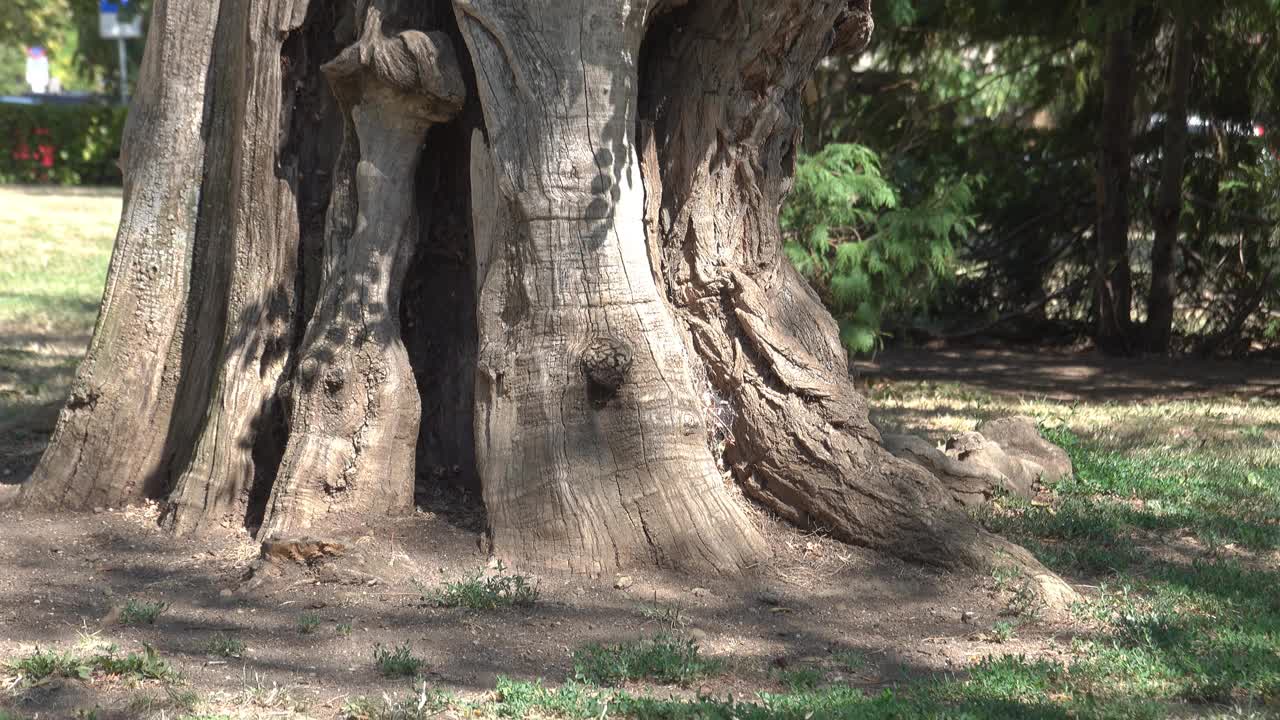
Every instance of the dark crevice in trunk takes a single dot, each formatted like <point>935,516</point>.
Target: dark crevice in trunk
<point>307,154</point>
<point>438,309</point>
<point>310,128</point>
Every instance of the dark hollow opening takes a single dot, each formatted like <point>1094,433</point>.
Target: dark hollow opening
<point>438,308</point>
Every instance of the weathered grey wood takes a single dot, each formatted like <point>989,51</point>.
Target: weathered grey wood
<point>588,479</point>
<point>249,231</point>
<point>354,408</point>
<point>109,444</point>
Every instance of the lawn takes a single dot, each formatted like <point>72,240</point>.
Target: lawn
<point>54,250</point>
<point>1170,527</point>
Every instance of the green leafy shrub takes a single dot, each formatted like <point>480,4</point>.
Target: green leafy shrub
<point>60,144</point>
<point>866,255</point>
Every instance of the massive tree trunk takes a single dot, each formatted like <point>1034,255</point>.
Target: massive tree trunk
<point>1168,206</point>
<point>1112,281</point>
<point>601,211</point>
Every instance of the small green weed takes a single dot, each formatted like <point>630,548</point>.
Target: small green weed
<point>308,623</point>
<point>799,679</point>
<point>1002,631</point>
<point>42,664</point>
<point>142,612</point>
<point>663,659</point>
<point>343,629</point>
<point>851,660</point>
<point>223,645</point>
<point>148,666</point>
<point>478,592</point>
<point>397,662</point>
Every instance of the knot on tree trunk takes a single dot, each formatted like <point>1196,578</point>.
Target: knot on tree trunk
<point>606,361</point>
<point>420,71</point>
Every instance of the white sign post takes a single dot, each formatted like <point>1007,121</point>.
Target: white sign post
<point>38,70</point>
<point>109,26</point>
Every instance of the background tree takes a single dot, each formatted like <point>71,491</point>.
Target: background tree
<point>1012,92</point>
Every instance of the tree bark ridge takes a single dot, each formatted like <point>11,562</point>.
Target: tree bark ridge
<point>105,449</point>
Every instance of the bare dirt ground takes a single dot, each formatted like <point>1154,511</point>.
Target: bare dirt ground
<point>61,577</point>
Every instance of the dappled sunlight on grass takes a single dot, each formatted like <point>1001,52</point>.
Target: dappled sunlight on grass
<point>1240,430</point>
<point>54,251</point>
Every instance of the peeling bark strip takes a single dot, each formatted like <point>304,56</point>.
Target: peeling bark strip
<point>355,410</point>
<point>106,448</point>
<point>572,480</point>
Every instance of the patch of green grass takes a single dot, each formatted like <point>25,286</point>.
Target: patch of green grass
<point>851,660</point>
<point>141,612</point>
<point>1003,689</point>
<point>223,645</point>
<point>799,679</point>
<point>308,623</point>
<point>398,661</point>
<point>42,664</point>
<point>663,659</point>
<point>1174,510</point>
<point>343,629</point>
<point>1178,618</point>
<point>54,250</point>
<point>479,592</point>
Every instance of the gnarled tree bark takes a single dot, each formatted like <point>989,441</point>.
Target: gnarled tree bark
<point>625,168</point>
<point>354,408</point>
<point>576,473</point>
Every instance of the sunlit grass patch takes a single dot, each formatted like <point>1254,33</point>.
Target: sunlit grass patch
<point>54,250</point>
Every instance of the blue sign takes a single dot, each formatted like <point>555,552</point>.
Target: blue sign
<point>110,25</point>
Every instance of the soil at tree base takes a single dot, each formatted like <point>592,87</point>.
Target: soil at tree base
<point>61,576</point>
